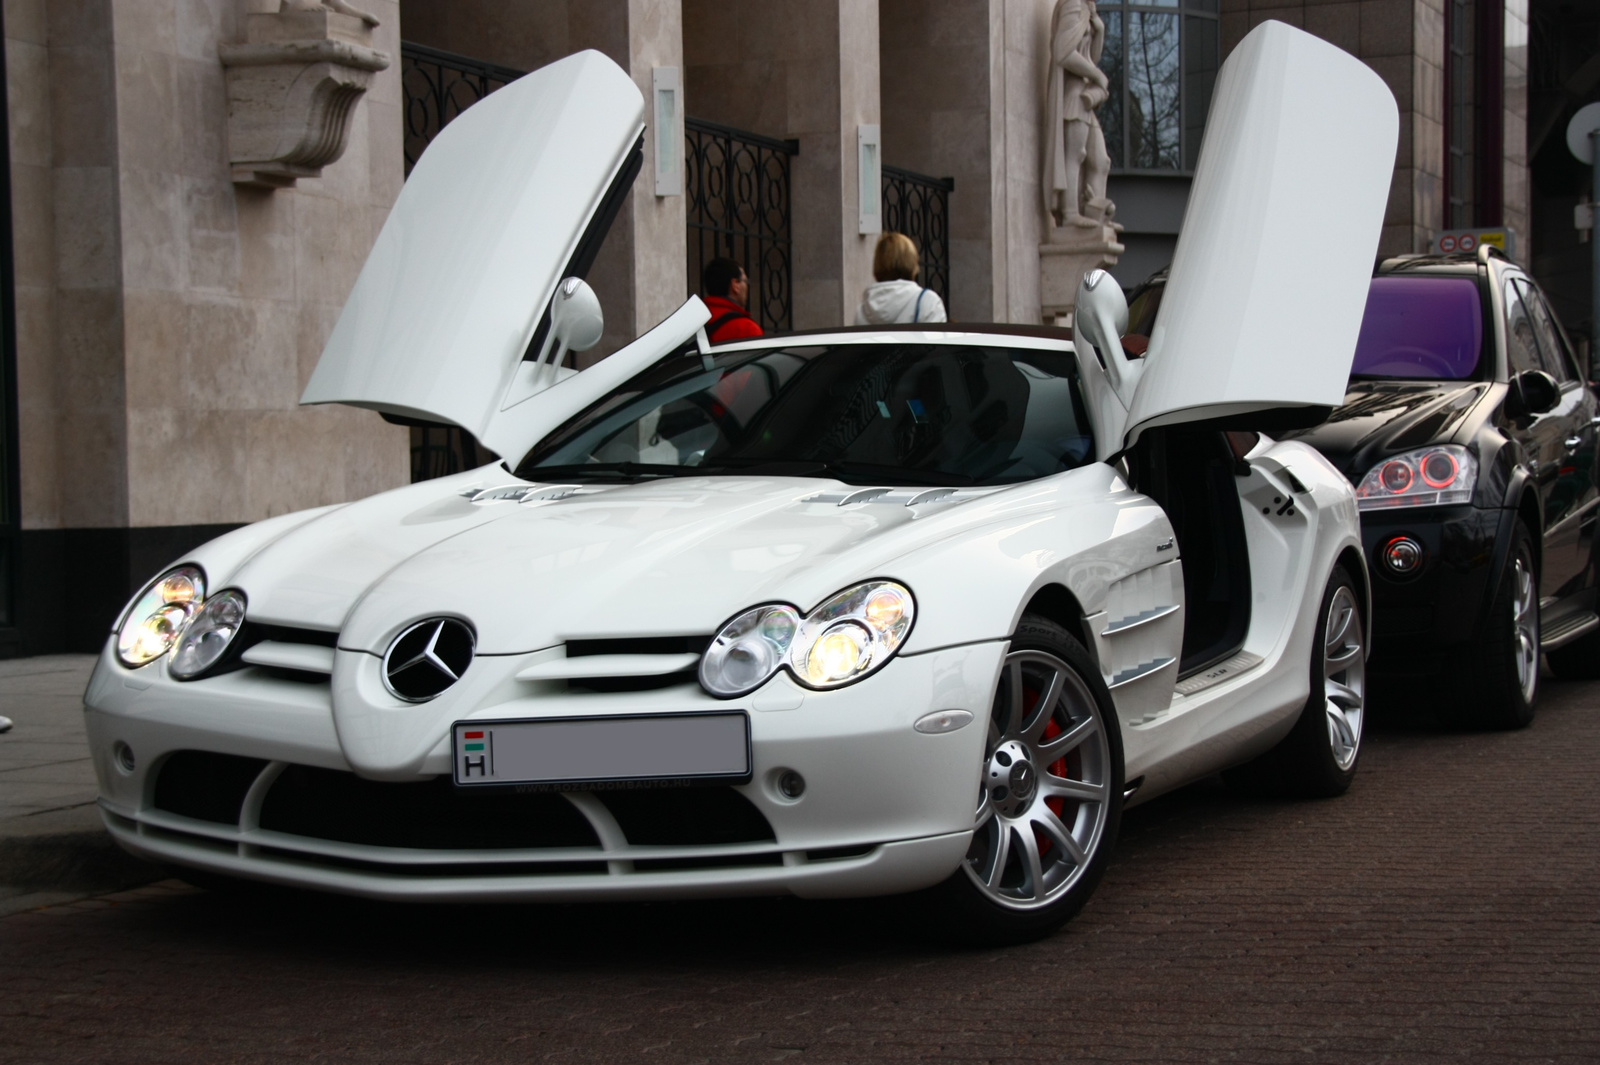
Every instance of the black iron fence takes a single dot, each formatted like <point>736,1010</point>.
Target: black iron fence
<point>919,206</point>
<point>737,184</point>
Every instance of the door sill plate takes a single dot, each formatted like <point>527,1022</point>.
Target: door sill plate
<point>1227,669</point>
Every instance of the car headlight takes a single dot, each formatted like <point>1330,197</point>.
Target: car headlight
<point>847,637</point>
<point>207,636</point>
<point>152,622</point>
<point>1427,477</point>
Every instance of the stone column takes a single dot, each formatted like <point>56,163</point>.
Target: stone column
<point>938,72</point>
<point>963,88</point>
<point>1403,41</point>
<point>640,274</point>
<point>808,70</point>
<point>1516,188</point>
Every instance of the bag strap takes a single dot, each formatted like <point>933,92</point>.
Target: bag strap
<point>916,313</point>
<point>724,319</point>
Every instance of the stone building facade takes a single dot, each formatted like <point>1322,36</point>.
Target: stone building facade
<point>164,315</point>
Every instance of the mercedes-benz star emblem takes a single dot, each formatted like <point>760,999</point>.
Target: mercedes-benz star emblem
<point>427,658</point>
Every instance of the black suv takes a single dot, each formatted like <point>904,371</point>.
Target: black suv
<point>1469,431</point>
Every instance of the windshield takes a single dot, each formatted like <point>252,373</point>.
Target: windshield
<point>936,414</point>
<point>1421,328</point>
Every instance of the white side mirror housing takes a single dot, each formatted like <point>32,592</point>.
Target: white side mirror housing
<point>576,321</point>
<point>1099,319</point>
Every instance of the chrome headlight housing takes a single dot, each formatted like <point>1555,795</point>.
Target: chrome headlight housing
<point>206,638</point>
<point>848,637</point>
<point>152,623</point>
<point>1429,476</point>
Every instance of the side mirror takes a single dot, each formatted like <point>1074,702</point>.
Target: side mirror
<point>1532,392</point>
<point>576,321</point>
<point>1100,317</point>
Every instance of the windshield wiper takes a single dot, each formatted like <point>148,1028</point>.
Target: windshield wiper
<point>618,470</point>
<point>848,472</point>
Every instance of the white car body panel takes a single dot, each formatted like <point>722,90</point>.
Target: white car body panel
<point>535,566</point>
<point>474,246</point>
<point>1297,155</point>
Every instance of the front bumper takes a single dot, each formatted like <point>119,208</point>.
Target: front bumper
<point>1421,619</point>
<point>885,809</point>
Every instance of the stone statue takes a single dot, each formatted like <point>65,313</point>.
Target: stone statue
<point>1076,163</point>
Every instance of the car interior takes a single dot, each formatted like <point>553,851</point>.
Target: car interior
<point>1191,472</point>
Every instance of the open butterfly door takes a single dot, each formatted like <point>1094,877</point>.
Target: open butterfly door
<point>488,222</point>
<point>1264,299</point>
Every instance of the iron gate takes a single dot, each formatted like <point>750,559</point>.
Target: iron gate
<point>919,206</point>
<point>737,184</point>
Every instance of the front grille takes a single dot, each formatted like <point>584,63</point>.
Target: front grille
<point>434,815</point>
<point>431,815</point>
<point>255,632</point>
<point>639,645</point>
<point>205,786</point>
<point>683,817</point>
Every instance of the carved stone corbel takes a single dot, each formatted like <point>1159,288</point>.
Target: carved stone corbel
<point>292,87</point>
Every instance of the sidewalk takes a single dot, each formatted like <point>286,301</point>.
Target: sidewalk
<point>52,846</point>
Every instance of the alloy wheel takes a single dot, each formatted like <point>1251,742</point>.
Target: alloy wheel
<point>1045,791</point>
<point>1525,622</point>
<point>1344,671</point>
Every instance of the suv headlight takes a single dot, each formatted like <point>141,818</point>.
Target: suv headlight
<point>849,636</point>
<point>152,623</point>
<point>1426,477</point>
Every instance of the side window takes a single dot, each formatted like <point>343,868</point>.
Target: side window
<point>1522,350</point>
<point>1552,345</point>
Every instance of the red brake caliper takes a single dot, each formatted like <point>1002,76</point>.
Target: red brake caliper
<point>1059,768</point>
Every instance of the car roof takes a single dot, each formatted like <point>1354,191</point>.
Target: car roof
<point>992,333</point>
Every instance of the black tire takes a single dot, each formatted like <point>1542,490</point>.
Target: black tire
<point>1034,892</point>
<point>1490,690</point>
<point>1578,660</point>
<point>1319,756</point>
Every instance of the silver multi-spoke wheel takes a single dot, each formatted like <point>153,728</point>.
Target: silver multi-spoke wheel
<point>1344,672</point>
<point>1046,787</point>
<point>1525,622</point>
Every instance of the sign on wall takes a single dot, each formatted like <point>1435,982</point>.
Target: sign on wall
<point>1450,241</point>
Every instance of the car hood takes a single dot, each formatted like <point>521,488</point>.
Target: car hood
<point>1381,418</point>
<point>661,558</point>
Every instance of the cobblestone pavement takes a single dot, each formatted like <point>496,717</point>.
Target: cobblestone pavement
<point>1446,910</point>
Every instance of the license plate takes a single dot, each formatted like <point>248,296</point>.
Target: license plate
<point>648,750</point>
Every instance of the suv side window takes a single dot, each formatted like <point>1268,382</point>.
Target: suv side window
<point>1558,360</point>
<point>1522,350</point>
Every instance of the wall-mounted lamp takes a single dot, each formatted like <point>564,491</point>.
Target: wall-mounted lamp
<point>870,170</point>
<point>665,83</point>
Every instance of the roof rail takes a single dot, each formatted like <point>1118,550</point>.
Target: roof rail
<point>1485,250</point>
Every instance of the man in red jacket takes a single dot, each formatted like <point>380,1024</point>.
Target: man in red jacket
<point>727,293</point>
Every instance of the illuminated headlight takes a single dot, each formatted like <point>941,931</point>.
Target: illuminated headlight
<point>1428,477</point>
<point>207,636</point>
<point>849,636</point>
<point>153,621</point>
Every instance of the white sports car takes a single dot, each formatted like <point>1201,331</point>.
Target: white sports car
<point>842,613</point>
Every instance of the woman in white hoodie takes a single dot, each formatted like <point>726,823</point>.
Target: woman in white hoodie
<point>897,297</point>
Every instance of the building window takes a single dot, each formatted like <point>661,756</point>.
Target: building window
<point>1162,58</point>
